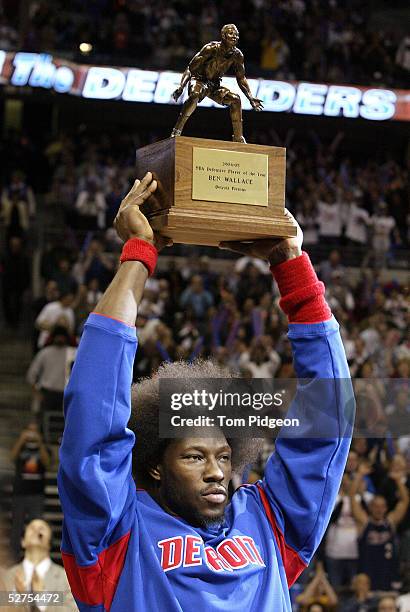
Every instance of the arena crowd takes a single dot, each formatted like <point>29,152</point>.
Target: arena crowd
<point>287,39</point>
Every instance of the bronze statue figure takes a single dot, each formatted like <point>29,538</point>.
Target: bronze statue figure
<point>204,74</point>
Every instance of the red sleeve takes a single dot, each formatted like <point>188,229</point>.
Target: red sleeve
<point>302,293</point>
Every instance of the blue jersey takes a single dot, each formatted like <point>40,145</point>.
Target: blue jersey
<point>123,552</point>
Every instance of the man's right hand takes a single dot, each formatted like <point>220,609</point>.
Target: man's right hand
<point>130,222</point>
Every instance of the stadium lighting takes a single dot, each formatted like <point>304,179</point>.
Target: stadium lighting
<point>85,47</point>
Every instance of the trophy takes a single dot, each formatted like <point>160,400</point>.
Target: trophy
<point>212,190</point>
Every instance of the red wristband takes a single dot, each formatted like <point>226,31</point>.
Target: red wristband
<point>137,249</point>
<point>302,292</point>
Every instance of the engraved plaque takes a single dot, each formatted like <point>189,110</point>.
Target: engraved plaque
<point>229,176</point>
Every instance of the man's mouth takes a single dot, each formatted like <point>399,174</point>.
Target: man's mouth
<point>216,495</point>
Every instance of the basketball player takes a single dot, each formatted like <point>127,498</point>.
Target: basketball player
<point>178,543</point>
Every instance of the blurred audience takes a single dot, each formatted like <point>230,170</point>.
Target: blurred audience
<point>330,42</point>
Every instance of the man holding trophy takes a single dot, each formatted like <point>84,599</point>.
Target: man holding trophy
<point>177,543</point>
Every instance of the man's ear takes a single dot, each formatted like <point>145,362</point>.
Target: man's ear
<point>155,472</point>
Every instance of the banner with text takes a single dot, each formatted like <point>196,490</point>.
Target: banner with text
<point>23,69</point>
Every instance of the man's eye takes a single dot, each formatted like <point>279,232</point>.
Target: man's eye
<point>225,457</point>
<point>195,457</point>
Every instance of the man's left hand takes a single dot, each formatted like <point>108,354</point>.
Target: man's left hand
<point>273,250</point>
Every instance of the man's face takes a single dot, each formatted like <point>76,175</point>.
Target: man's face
<point>387,604</point>
<point>194,476</point>
<point>231,36</point>
<point>60,340</point>
<point>67,300</point>
<point>378,508</point>
<point>37,534</point>
<point>352,462</point>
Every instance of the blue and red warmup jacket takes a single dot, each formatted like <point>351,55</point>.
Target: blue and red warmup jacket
<point>122,552</point>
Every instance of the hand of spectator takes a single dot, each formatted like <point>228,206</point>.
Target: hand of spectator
<point>396,475</point>
<point>364,469</point>
<point>37,583</point>
<point>273,250</point>
<point>130,222</point>
<point>19,581</point>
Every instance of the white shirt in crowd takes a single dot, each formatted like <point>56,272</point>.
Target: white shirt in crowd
<point>341,539</point>
<point>266,369</point>
<point>51,367</point>
<point>357,220</point>
<point>309,226</point>
<point>330,219</point>
<point>242,262</point>
<point>382,226</point>
<point>50,314</point>
<point>92,205</point>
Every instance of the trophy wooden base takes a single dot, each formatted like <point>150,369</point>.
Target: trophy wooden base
<point>180,209</point>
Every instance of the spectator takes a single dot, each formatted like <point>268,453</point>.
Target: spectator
<point>403,603</point>
<point>8,35</point>
<point>378,554</point>
<point>356,229</point>
<point>91,206</point>
<point>15,214</point>
<point>330,266</point>
<point>363,599</point>
<point>31,458</point>
<point>341,540</point>
<point>197,298</point>
<point>318,592</point>
<point>388,488</point>
<point>403,55</point>
<point>382,224</point>
<point>262,361</point>
<point>387,604</point>
<point>23,192</point>
<point>308,221</point>
<point>50,369</point>
<point>97,264</point>
<point>51,294</point>
<point>15,273</point>
<point>37,572</point>
<point>63,277</point>
<point>55,313</point>
<point>330,219</point>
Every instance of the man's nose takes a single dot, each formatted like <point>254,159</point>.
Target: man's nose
<point>213,471</point>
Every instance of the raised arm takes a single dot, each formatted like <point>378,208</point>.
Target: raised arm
<point>359,514</point>
<point>399,511</point>
<point>95,482</point>
<point>302,477</point>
